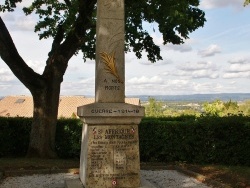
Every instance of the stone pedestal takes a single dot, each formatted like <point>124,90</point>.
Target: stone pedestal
<point>110,145</point>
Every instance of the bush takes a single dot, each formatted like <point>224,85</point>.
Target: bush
<point>15,132</point>
<point>222,140</point>
<point>207,139</point>
<point>68,138</point>
<point>14,136</point>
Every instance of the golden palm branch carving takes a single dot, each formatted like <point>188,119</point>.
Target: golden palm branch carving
<point>109,61</point>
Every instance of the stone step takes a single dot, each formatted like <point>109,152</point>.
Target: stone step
<point>76,183</point>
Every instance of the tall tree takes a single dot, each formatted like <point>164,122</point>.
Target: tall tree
<point>71,24</point>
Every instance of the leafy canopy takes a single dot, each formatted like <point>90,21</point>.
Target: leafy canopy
<point>175,21</point>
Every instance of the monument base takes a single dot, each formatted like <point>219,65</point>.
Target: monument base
<point>110,145</point>
<point>76,183</point>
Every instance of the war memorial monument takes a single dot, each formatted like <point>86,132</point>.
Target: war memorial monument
<point>110,142</point>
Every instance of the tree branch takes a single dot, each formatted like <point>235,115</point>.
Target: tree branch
<point>75,38</point>
<point>58,38</point>
<point>11,57</point>
<point>68,3</point>
<point>61,53</point>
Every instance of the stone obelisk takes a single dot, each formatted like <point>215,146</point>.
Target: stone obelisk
<point>110,86</point>
<point>110,142</point>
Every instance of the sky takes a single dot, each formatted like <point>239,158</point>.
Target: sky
<point>215,58</point>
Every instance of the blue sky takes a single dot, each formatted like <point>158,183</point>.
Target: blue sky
<point>215,59</point>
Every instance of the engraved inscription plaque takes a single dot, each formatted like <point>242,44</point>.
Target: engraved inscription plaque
<point>113,156</point>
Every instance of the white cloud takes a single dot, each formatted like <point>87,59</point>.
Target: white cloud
<point>197,70</point>
<point>231,75</point>
<point>88,81</point>
<point>181,47</point>
<point>239,68</point>
<point>197,74</point>
<point>146,80</point>
<point>7,17</point>
<point>24,23</point>
<point>201,65</point>
<point>5,75</point>
<point>160,87</point>
<point>207,87</point>
<point>186,47</point>
<point>37,66</point>
<point>25,3</point>
<point>84,86</point>
<point>210,4</point>
<point>210,51</point>
<point>19,22</point>
<point>238,61</point>
<point>4,87</point>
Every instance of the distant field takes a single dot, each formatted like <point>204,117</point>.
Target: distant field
<point>197,97</point>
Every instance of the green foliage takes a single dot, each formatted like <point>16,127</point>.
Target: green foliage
<point>205,139</point>
<point>244,108</point>
<point>9,5</point>
<point>14,136</point>
<point>246,2</point>
<point>215,108</point>
<point>153,108</point>
<point>68,138</point>
<point>174,19</point>
<point>220,108</point>
<point>15,132</point>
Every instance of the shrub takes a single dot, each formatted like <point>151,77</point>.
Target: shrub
<point>15,132</point>
<point>222,140</point>
<point>14,136</point>
<point>68,138</point>
<point>207,139</point>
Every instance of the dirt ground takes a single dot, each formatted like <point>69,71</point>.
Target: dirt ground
<point>230,178</point>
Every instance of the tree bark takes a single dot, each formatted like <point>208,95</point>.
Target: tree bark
<point>42,136</point>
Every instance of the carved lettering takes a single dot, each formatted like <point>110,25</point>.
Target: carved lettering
<point>113,156</point>
<point>111,111</point>
<point>112,88</point>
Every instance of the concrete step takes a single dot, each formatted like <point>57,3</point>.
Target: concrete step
<point>76,183</point>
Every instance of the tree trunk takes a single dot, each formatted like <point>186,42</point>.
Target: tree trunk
<point>42,137</point>
<point>45,88</point>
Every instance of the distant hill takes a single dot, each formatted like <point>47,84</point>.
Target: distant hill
<point>191,98</point>
<point>198,97</point>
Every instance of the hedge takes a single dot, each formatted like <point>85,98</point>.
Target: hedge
<point>217,140</point>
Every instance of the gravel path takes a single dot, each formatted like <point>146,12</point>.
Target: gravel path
<point>170,178</point>
<point>159,178</point>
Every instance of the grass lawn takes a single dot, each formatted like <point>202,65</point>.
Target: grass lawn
<point>231,176</point>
